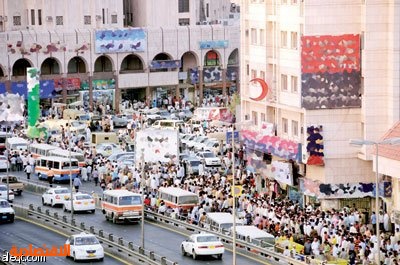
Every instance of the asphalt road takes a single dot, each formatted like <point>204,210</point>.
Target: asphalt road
<point>21,234</point>
<point>165,242</point>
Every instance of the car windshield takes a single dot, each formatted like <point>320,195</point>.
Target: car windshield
<point>87,240</point>
<point>4,204</point>
<point>194,163</point>
<point>3,188</point>
<point>130,200</point>
<point>190,199</point>
<point>208,155</point>
<point>83,197</point>
<point>203,239</point>
<point>61,191</point>
<point>200,139</point>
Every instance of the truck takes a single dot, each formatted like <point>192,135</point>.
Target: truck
<point>15,185</point>
<point>153,145</point>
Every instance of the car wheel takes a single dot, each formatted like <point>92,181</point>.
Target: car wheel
<point>194,254</point>
<point>92,211</point>
<point>11,219</point>
<point>219,256</point>
<point>39,176</point>
<point>19,193</point>
<point>183,251</point>
<point>51,203</point>
<point>64,208</point>
<point>43,203</point>
<point>101,259</point>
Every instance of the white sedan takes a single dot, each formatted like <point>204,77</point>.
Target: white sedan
<point>82,202</point>
<point>3,193</point>
<point>203,245</point>
<point>3,163</point>
<point>85,246</point>
<point>55,196</point>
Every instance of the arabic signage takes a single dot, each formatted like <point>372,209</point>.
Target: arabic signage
<point>165,64</point>
<point>214,44</point>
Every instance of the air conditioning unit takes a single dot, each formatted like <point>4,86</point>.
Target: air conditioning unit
<point>98,17</point>
<point>49,19</point>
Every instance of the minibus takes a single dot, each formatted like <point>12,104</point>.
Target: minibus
<point>221,222</point>
<point>255,236</point>
<point>66,154</point>
<point>60,167</point>
<point>38,150</point>
<point>17,144</point>
<point>178,198</point>
<point>121,205</point>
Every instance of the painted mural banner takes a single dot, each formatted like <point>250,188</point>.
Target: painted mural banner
<point>231,73</point>
<point>212,74</point>
<point>99,84</point>
<point>331,71</point>
<point>315,146</point>
<point>274,145</point>
<point>46,89</point>
<point>165,64</point>
<point>120,40</point>
<point>34,130</point>
<point>194,75</point>
<point>282,172</point>
<point>214,44</point>
<point>70,84</point>
<point>100,97</point>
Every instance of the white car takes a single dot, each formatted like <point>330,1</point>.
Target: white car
<point>82,202</point>
<point>107,149</point>
<point>6,212</point>
<point>203,245</point>
<point>198,139</point>
<point>3,163</point>
<point>85,246</point>
<point>55,196</point>
<point>3,193</point>
<point>209,159</point>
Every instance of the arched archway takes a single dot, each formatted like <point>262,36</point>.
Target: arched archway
<point>162,57</point>
<point>19,67</point>
<point>212,58</point>
<point>233,58</point>
<point>76,65</point>
<point>2,72</point>
<point>188,61</point>
<point>157,63</point>
<point>131,63</point>
<point>103,64</point>
<point>50,66</point>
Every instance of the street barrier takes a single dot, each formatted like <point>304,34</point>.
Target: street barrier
<point>123,249</point>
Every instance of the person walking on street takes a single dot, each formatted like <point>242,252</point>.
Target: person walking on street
<point>50,176</point>
<point>28,171</point>
<point>77,183</point>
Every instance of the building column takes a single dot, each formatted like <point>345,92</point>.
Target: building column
<point>200,87</point>
<point>117,94</point>
<point>177,92</point>
<point>8,85</point>
<point>90,78</point>
<point>64,89</point>
<point>148,96</point>
<point>224,82</point>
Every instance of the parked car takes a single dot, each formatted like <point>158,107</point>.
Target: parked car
<point>185,115</point>
<point>3,193</point>
<point>212,145</point>
<point>115,156</point>
<point>165,114</point>
<point>85,246</point>
<point>209,159</point>
<point>198,139</point>
<point>82,202</point>
<point>7,213</point>
<point>203,244</point>
<point>120,121</point>
<point>199,146</point>
<point>193,165</point>
<point>15,185</point>
<point>107,149</point>
<point>55,196</point>
<point>4,163</point>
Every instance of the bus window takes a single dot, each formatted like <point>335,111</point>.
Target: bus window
<point>43,163</point>
<point>56,165</point>
<point>50,164</point>
<point>188,200</point>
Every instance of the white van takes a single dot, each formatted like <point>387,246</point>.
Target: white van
<point>221,222</point>
<point>168,124</point>
<point>254,235</point>
<point>17,144</point>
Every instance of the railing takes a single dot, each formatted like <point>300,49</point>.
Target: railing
<point>124,249</point>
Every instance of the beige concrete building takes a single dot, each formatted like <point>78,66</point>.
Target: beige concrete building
<point>332,71</point>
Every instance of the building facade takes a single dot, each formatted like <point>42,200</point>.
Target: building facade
<point>104,51</point>
<point>330,72</point>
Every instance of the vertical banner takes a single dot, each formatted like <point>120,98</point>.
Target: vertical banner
<point>33,103</point>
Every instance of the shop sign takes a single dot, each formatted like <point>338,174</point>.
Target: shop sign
<point>99,84</point>
<point>165,64</point>
<point>214,44</point>
<point>70,84</point>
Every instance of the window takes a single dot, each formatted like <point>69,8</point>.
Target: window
<point>284,125</point>
<point>207,10</point>
<point>262,118</point>
<point>284,39</point>
<point>262,37</point>
<point>254,117</point>
<point>262,75</point>
<point>39,13</point>
<point>284,2</point>
<point>294,40</point>
<point>104,16</point>
<point>295,128</point>
<point>183,6</point>
<point>294,84</point>
<point>253,73</point>
<point>114,19</point>
<point>284,84</point>
<point>32,16</point>
<point>184,21</point>
<point>247,69</point>
<point>59,20</point>
<point>87,20</point>
<point>17,20</point>
<point>253,36</point>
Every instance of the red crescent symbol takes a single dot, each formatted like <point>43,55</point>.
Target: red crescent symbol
<point>264,88</point>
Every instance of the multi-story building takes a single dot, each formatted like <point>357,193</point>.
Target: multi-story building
<point>325,72</point>
<point>105,51</point>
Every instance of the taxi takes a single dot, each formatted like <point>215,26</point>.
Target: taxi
<point>203,244</point>
<point>55,196</point>
<point>85,246</point>
<point>82,202</point>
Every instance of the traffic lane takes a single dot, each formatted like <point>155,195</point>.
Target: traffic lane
<point>21,234</point>
<point>165,242</point>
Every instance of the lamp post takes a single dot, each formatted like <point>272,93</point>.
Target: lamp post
<point>361,142</point>
<point>234,197</point>
<point>142,184</point>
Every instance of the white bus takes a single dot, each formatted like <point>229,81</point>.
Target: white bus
<point>60,167</point>
<point>176,197</point>
<point>255,236</point>
<point>65,153</point>
<point>121,205</point>
<point>17,144</point>
<point>221,222</point>
<point>38,150</point>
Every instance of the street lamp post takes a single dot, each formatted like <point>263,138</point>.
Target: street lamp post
<point>70,167</point>
<point>389,141</point>
<point>142,184</point>
<point>234,197</point>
